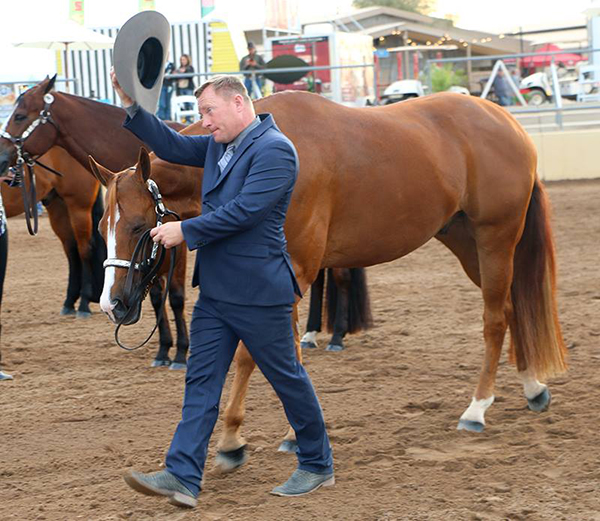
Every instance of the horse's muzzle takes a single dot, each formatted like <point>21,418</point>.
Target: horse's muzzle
<point>123,314</point>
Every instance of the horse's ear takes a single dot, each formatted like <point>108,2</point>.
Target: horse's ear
<point>144,164</point>
<point>50,85</point>
<point>104,175</point>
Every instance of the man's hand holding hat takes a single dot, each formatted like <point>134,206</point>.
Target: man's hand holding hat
<point>125,99</point>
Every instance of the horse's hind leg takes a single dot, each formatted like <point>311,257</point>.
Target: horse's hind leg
<point>61,225</point>
<point>81,223</point>
<point>164,331</point>
<point>495,247</point>
<point>177,301</point>
<point>488,263</point>
<point>315,312</point>
<point>232,446</point>
<point>338,296</point>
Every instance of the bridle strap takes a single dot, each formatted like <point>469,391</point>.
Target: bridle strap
<point>24,159</point>
<point>30,202</point>
<point>134,295</point>
<point>49,168</point>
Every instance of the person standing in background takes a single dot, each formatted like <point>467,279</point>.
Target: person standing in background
<point>253,62</point>
<point>164,102</point>
<point>185,86</point>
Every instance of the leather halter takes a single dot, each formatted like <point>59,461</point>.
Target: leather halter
<point>24,159</point>
<point>148,268</point>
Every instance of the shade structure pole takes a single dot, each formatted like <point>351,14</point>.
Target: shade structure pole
<point>67,67</point>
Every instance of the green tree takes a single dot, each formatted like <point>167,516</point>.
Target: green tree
<point>416,6</point>
<point>442,78</point>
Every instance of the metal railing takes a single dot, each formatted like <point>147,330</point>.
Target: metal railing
<point>558,108</point>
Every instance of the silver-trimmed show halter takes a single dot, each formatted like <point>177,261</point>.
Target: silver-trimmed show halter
<point>24,159</point>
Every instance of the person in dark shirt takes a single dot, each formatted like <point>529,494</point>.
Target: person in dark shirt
<point>502,89</point>
<point>253,62</point>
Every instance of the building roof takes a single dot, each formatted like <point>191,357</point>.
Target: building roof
<point>381,22</point>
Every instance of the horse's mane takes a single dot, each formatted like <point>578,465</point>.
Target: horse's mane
<point>107,107</point>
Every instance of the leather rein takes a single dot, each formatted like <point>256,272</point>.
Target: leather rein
<point>24,159</point>
<point>148,268</point>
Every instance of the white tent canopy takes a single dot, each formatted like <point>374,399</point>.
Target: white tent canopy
<point>67,36</point>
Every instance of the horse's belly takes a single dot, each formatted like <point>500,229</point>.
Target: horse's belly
<point>367,247</point>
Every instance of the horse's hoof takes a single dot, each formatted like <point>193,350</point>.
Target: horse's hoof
<point>541,402</point>
<point>470,425</point>
<point>334,348</point>
<point>84,314</point>
<point>289,446</point>
<point>178,366</point>
<point>231,460</point>
<point>67,312</point>
<point>308,345</point>
<point>5,376</point>
<point>161,363</point>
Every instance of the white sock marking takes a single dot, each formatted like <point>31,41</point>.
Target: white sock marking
<point>310,337</point>
<point>531,386</point>
<point>476,410</point>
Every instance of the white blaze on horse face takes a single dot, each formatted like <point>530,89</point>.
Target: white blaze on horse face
<point>476,410</point>
<point>109,276</point>
<point>531,386</point>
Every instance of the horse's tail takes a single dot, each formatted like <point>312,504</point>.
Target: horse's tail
<point>359,304</point>
<point>97,249</point>
<point>536,338</point>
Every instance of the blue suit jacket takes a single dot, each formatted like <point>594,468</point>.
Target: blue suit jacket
<point>242,256</point>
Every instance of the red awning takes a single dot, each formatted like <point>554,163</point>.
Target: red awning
<point>566,58</point>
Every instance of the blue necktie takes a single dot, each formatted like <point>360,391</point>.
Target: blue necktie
<point>227,155</point>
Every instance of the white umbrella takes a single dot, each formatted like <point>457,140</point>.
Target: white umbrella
<point>67,36</point>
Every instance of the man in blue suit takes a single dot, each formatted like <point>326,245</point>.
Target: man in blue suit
<point>246,280</point>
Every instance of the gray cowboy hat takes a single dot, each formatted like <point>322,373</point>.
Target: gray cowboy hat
<point>139,56</point>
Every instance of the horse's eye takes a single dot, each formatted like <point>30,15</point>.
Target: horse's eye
<point>20,117</point>
<point>138,228</point>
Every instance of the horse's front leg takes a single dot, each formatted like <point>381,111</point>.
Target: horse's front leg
<point>315,312</point>
<point>177,301</point>
<point>164,331</point>
<point>232,446</point>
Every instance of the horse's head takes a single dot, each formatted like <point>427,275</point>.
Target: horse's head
<point>30,127</point>
<point>131,211</point>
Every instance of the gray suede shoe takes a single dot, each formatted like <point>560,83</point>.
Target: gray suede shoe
<point>161,483</point>
<point>303,482</point>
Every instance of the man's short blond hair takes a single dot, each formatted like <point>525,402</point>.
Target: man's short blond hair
<point>224,84</point>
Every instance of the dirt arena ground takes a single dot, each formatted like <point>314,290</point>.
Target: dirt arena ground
<point>80,410</point>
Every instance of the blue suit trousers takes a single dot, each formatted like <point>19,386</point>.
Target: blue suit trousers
<point>267,332</point>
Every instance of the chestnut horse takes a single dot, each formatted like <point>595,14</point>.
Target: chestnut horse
<point>374,185</point>
<point>69,201</point>
<point>81,127</point>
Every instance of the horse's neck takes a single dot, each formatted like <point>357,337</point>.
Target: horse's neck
<point>96,129</point>
<point>181,188</point>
